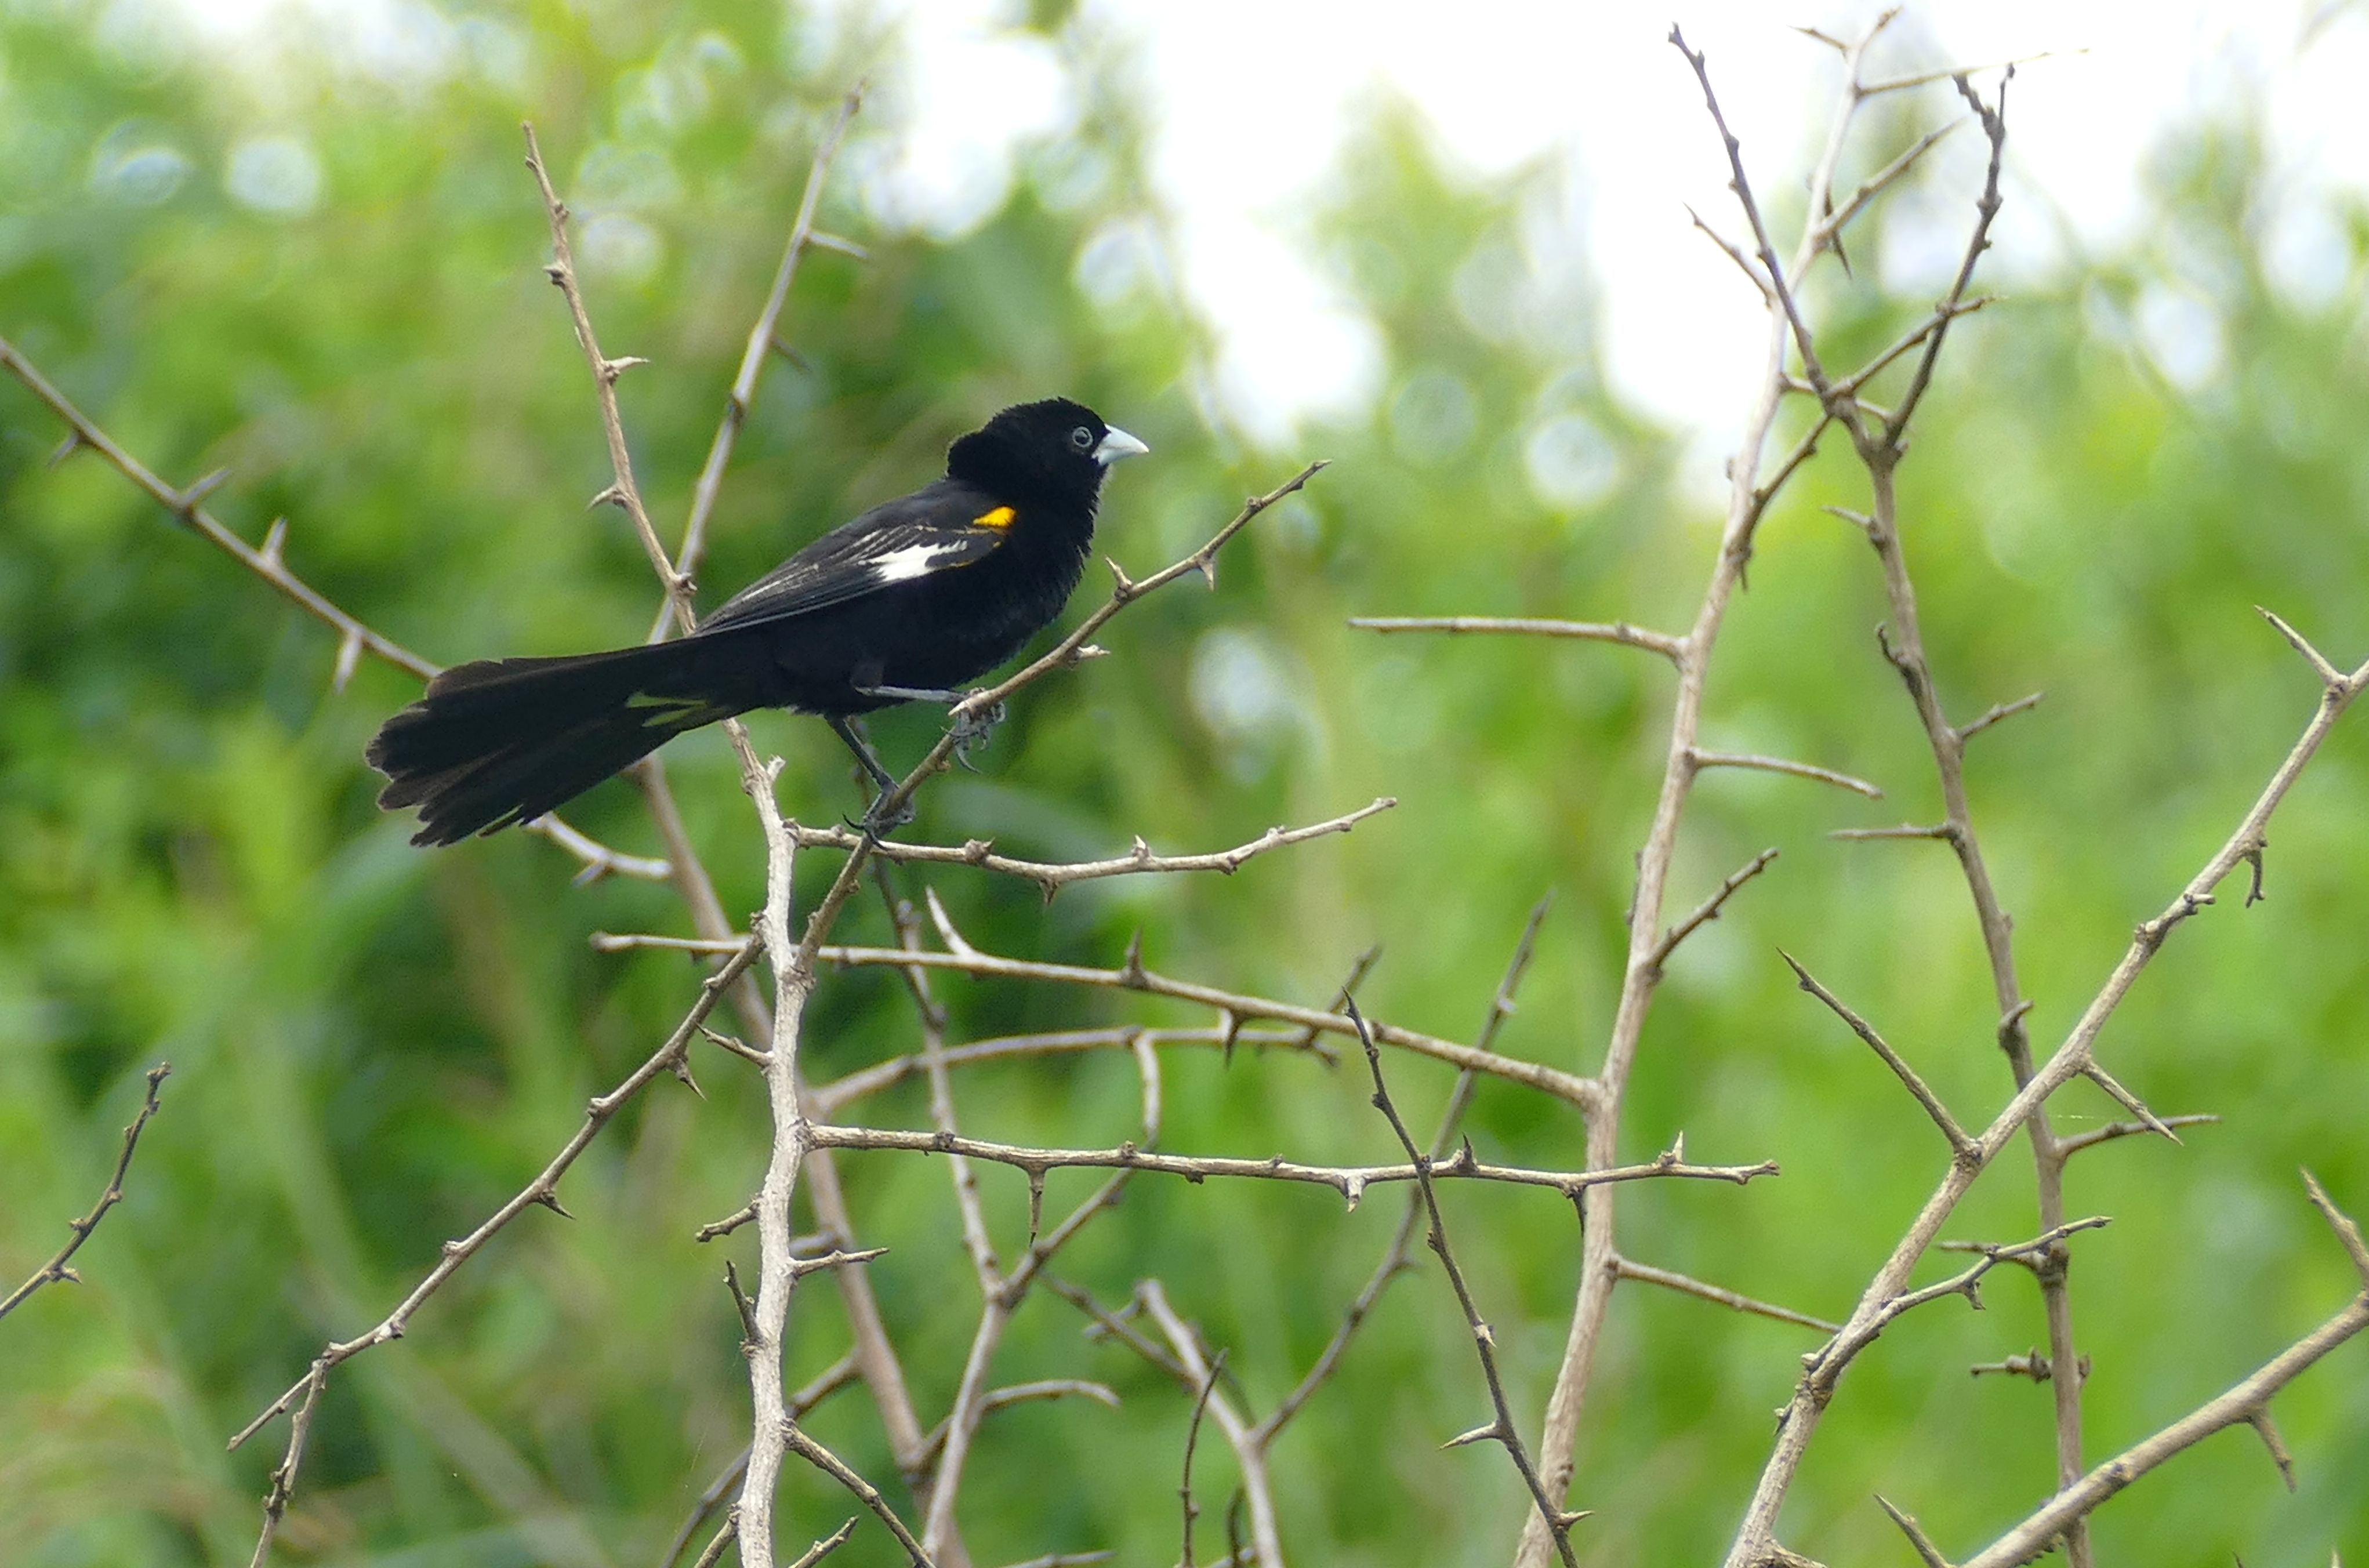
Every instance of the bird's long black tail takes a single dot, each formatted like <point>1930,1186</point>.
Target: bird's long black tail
<point>503,740</point>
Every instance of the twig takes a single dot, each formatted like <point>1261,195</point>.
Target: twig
<point>2244,1401</point>
<point>305,1394</point>
<point>1620,632</point>
<point>1067,652</point>
<point>1915,338</point>
<point>832,1379</point>
<point>1800,1415</point>
<point>797,1442</point>
<point>1201,1374</point>
<point>1747,504</point>
<point>1398,1257</point>
<point>1784,766</point>
<point>1960,1144</point>
<point>1484,1342</point>
<point>1927,1552</point>
<point>762,337</point>
<point>1051,876</point>
<point>58,1267</point>
<point>1629,1268</point>
<point>826,1100</point>
<point>1708,910</point>
<point>2080,1140</point>
<point>1999,711</point>
<point>1833,223</point>
<point>354,638</point>
<point>623,489</point>
<point>1349,1181</point>
<point>825,1547</point>
<point>1192,1439</point>
<point>1562,1086</point>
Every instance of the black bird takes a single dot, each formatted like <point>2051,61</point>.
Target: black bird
<point>906,603</point>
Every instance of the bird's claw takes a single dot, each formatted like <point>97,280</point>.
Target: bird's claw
<point>877,825</point>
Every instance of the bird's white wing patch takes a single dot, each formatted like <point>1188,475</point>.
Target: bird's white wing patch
<point>912,561</point>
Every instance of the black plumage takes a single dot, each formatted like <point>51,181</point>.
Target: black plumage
<point>908,601</point>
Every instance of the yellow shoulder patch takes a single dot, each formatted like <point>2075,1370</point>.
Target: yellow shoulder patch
<point>1001,517</point>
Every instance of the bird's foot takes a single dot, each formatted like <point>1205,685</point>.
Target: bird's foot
<point>975,729</point>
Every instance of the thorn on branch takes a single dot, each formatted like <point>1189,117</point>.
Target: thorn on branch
<point>2128,1101</point>
<point>2268,1430</point>
<point>186,500</point>
<point>1927,1552</point>
<point>350,654</point>
<point>2330,676</point>
<point>1974,727</point>
<point>747,1308</point>
<point>2342,1223</point>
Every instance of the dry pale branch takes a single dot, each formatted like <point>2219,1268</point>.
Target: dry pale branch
<point>1053,875</point>
<point>1927,1552</point>
<point>60,1267</point>
<point>2069,1061</point>
<point>2111,1130</point>
<point>1627,1269</point>
<point>1134,977</point>
<point>302,1398</point>
<point>1708,910</point>
<point>1349,1181</point>
<point>354,638</point>
<point>1192,1440</point>
<point>2246,1403</point>
<point>1959,1143</point>
<point>1399,1257</point>
<point>1201,1372</point>
<point>763,342</point>
<point>773,1429</point>
<point>1484,1342</point>
<point>1751,489</point>
<point>1620,632</point>
<point>1783,765</point>
<point>1879,439</point>
<point>832,1465</point>
<point>622,492</point>
<point>826,1100</point>
<point>832,1379</point>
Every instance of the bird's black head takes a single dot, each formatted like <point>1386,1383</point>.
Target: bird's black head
<point>1054,451</point>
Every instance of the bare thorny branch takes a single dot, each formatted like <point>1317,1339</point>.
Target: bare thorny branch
<point>60,1269</point>
<point>931,1462</point>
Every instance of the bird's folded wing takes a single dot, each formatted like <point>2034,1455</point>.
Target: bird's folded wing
<point>892,543</point>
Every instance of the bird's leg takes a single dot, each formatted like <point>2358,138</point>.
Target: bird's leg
<point>874,822</point>
<point>969,730</point>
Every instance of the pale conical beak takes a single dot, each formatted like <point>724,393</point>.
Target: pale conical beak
<point>1117,443</point>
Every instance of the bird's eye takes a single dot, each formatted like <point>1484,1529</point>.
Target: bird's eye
<point>1083,439</point>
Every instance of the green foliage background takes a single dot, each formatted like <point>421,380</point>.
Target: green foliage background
<point>374,1046</point>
